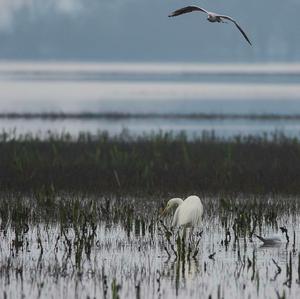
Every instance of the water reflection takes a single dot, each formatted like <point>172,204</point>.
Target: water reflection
<point>180,270</point>
<point>149,88</point>
<point>128,259</point>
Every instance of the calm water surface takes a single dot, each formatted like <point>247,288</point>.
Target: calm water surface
<point>133,263</point>
<point>150,88</point>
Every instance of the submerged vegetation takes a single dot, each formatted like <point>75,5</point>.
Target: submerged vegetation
<point>152,164</point>
<point>113,247</point>
<point>66,208</point>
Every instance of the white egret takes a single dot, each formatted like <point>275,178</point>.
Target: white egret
<point>188,213</point>
<point>211,17</point>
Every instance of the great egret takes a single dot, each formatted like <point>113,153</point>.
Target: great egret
<point>188,213</point>
<point>211,17</point>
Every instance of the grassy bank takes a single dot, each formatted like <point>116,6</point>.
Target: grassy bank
<point>161,163</point>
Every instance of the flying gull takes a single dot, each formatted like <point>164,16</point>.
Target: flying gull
<point>211,17</point>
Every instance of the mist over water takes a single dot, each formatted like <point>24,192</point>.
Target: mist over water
<point>139,30</point>
<point>144,88</point>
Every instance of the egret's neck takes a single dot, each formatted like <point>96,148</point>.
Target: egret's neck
<point>177,201</point>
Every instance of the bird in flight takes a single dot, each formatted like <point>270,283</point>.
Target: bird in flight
<point>211,17</point>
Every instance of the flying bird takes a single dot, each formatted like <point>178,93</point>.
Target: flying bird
<point>211,17</point>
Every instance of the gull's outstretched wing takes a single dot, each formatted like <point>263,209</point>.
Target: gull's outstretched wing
<point>237,25</point>
<point>186,9</point>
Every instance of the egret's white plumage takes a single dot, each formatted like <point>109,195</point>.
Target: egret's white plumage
<point>188,213</point>
<point>211,17</point>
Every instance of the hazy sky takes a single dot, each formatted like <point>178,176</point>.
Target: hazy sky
<point>138,30</point>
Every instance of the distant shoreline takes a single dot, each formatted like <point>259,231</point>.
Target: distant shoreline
<point>116,116</point>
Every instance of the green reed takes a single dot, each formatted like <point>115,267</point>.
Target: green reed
<point>152,164</point>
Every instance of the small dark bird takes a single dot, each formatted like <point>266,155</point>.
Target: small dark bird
<point>269,241</point>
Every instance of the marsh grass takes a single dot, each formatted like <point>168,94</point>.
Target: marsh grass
<point>152,164</point>
<point>79,218</point>
<point>113,246</point>
<point>241,214</point>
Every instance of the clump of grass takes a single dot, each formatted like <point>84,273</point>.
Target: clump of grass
<point>153,164</point>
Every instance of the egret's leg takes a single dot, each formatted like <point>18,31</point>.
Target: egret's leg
<point>191,234</point>
<point>181,240</point>
<point>183,235</point>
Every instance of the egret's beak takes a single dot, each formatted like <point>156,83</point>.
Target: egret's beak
<point>163,212</point>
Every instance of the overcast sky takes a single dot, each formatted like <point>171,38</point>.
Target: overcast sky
<point>139,30</point>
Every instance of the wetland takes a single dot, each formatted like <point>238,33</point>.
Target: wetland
<point>80,217</point>
<point>90,153</point>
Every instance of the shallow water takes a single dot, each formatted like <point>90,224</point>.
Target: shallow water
<point>129,259</point>
<point>150,88</point>
<point>137,126</point>
<point>132,263</point>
